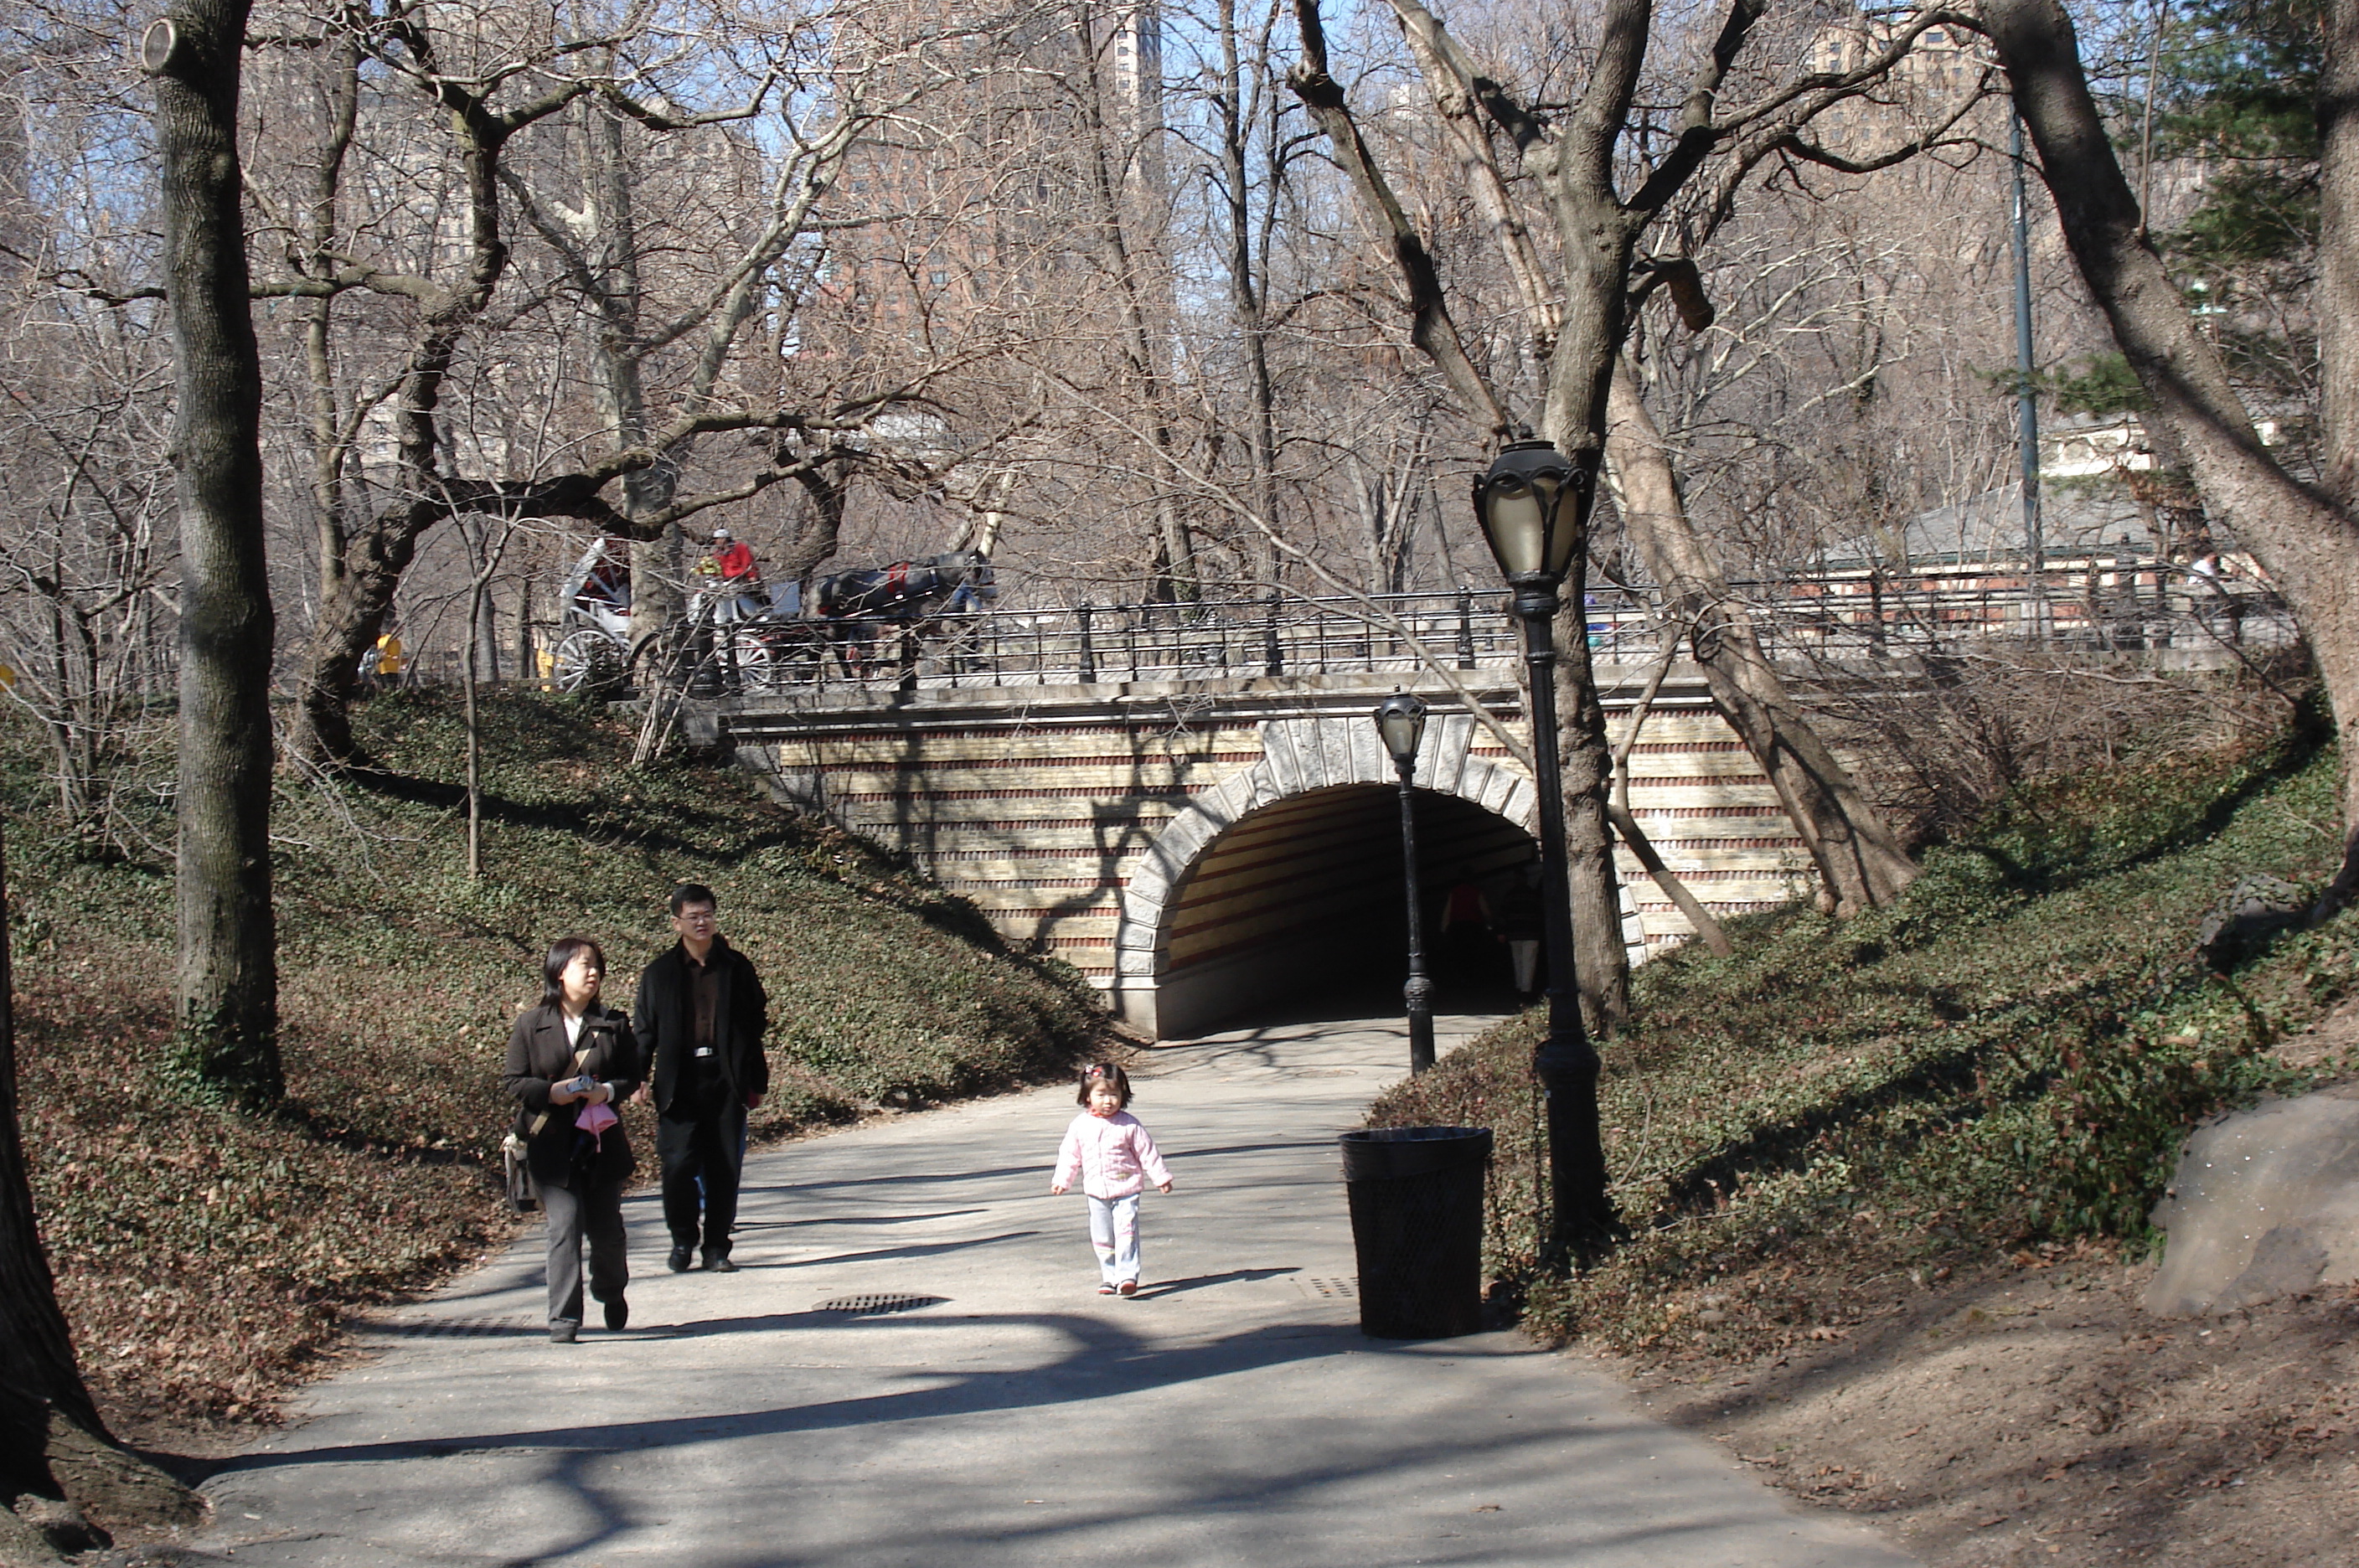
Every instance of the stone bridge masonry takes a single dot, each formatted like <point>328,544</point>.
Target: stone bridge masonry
<point>1197,847</point>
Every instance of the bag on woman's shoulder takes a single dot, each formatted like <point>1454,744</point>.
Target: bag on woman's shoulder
<point>524,1192</point>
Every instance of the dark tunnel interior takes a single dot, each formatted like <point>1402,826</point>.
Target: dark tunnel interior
<point>1299,909</point>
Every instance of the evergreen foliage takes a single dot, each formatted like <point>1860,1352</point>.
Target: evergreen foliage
<point>2006,1057</point>
<point>2238,102</point>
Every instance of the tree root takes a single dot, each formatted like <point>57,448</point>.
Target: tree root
<point>114,1484</point>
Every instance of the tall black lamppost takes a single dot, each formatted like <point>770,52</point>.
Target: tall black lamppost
<point>1533,507</point>
<point>1401,719</point>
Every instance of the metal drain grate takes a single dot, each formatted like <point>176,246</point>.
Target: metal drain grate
<point>869,1306</point>
<point>1328,1290</point>
<point>451,1328</point>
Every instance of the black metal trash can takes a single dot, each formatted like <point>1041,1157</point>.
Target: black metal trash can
<point>1417,1223</point>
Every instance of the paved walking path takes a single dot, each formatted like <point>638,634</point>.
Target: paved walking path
<point>1232,1414</point>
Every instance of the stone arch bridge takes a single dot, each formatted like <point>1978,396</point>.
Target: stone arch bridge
<point>1200,817</point>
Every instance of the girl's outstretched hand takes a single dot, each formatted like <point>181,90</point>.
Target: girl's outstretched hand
<point>1164,1187</point>
<point>1056,1189</point>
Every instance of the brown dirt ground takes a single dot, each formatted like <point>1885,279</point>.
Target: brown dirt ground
<point>2038,1415</point>
<point>2028,1410</point>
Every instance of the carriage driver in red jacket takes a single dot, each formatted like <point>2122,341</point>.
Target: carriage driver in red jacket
<point>742,593</point>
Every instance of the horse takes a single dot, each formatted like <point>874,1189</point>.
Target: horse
<point>855,605</point>
<point>907,589</point>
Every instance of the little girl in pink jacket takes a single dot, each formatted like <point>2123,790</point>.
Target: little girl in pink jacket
<point>1109,1151</point>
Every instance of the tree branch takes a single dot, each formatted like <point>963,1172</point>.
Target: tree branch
<point>1431,328</point>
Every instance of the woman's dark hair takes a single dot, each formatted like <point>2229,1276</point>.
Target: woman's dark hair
<point>552,968</point>
<point>1098,1072</point>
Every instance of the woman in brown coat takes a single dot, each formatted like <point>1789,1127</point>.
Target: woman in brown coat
<point>571,1060</point>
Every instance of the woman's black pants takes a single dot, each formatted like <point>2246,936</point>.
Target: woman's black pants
<point>591,1209</point>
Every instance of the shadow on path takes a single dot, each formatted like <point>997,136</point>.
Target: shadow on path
<point>1205,1281</point>
<point>1104,1361</point>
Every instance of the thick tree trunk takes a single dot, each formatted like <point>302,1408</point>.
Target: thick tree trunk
<point>819,539</point>
<point>1596,261</point>
<point>37,1361</point>
<point>1600,962</point>
<point>1247,282</point>
<point>2306,541</point>
<point>1859,857</point>
<point>658,585</point>
<point>228,989</point>
<point>53,1442</point>
<point>353,610</point>
<point>2336,301</point>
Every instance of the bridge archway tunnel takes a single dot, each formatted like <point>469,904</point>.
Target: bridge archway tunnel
<point>1302,898</point>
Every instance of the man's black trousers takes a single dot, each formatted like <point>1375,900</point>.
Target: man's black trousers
<point>709,1147</point>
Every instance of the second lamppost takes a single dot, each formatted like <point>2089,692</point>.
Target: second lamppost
<point>1400,719</point>
<point>1534,508</point>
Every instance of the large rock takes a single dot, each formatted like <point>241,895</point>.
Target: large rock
<point>2256,908</point>
<point>2266,1204</point>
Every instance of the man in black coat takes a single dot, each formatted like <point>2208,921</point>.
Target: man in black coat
<point>700,1014</point>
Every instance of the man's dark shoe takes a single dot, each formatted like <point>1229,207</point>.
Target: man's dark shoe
<point>718,1263</point>
<point>618,1315</point>
<point>563,1331</point>
<point>678,1261</point>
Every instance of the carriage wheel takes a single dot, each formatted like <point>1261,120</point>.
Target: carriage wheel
<point>756,664</point>
<point>652,656</point>
<point>587,657</point>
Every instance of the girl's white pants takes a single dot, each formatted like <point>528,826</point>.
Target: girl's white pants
<point>1113,1231</point>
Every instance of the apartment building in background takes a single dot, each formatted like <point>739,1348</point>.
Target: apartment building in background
<point>985,205</point>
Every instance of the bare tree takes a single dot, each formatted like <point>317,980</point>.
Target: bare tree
<point>1860,860</point>
<point>1599,961</point>
<point>1857,854</point>
<point>227,991</point>
<point>495,118</point>
<point>84,591</point>
<point>1245,93</point>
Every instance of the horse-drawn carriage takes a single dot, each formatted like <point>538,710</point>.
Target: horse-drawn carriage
<point>738,638</point>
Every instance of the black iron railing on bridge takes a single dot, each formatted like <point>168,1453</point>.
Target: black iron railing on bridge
<point>2102,606</point>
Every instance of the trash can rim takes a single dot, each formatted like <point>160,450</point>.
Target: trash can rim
<point>1414,1134</point>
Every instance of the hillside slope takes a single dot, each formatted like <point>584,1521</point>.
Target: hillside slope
<point>1889,1180</point>
<point>205,1255</point>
